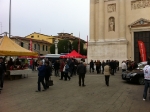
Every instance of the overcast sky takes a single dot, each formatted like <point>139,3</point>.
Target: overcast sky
<point>45,16</point>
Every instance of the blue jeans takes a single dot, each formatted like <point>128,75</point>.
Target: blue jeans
<point>147,85</point>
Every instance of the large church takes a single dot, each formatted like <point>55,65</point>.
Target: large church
<point>116,26</point>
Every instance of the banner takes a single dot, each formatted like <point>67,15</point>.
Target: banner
<point>79,44</point>
<point>142,50</point>
<point>30,45</point>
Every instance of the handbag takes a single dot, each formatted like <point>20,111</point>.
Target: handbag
<point>50,82</point>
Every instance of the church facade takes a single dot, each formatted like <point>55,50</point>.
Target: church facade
<point>116,26</point>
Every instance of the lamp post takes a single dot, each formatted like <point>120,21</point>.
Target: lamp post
<point>56,48</point>
<point>10,19</point>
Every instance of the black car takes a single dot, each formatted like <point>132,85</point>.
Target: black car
<point>135,75</point>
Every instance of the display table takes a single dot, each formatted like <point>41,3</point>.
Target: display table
<point>13,74</point>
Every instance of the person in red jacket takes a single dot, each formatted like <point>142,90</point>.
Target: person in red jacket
<point>62,64</point>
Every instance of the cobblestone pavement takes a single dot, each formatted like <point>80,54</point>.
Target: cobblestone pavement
<point>66,96</point>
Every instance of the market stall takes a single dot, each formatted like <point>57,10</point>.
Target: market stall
<point>73,54</point>
<point>10,48</point>
<point>15,74</point>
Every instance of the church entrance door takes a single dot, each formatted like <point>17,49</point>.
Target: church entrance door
<point>145,37</point>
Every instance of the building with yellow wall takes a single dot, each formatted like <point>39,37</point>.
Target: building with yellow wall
<point>40,46</point>
<point>60,36</point>
<point>39,36</point>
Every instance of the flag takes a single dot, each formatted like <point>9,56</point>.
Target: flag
<point>79,44</point>
<point>142,50</point>
<point>30,45</point>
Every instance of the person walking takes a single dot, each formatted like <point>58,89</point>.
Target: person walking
<point>66,70</point>
<point>41,75</point>
<point>56,67</point>
<point>91,66</point>
<point>107,73</point>
<point>47,73</point>
<point>146,71</point>
<point>81,71</point>
<point>62,64</point>
<point>98,66</point>
<point>2,72</point>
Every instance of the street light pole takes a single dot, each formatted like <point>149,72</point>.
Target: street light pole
<point>10,19</point>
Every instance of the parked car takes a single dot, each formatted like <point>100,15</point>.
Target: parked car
<point>135,75</point>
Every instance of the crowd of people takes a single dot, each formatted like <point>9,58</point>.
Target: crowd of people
<point>114,66</point>
<point>129,65</point>
<point>67,68</point>
<point>70,67</point>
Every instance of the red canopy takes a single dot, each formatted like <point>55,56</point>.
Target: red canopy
<point>73,54</point>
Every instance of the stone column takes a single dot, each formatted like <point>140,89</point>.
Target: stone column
<point>122,20</point>
<point>92,20</point>
<point>101,21</point>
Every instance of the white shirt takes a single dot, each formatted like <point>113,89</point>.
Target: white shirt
<point>43,61</point>
<point>146,71</point>
<point>64,68</point>
<point>124,66</point>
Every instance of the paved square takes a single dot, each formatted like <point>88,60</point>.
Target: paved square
<point>66,96</point>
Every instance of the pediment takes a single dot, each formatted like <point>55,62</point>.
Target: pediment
<point>140,23</point>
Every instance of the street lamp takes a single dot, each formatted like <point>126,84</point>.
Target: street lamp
<point>10,19</point>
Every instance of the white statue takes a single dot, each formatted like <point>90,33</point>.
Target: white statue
<point>111,24</point>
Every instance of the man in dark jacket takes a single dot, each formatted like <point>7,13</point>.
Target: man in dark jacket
<point>71,67</point>
<point>91,66</point>
<point>2,71</point>
<point>81,71</point>
<point>41,75</point>
<point>56,67</point>
<point>103,64</point>
<point>47,73</point>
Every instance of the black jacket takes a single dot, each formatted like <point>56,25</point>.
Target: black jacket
<point>47,70</point>
<point>81,70</point>
<point>2,68</point>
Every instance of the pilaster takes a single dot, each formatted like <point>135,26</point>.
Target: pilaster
<point>122,27</point>
<point>92,20</point>
<point>101,21</point>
